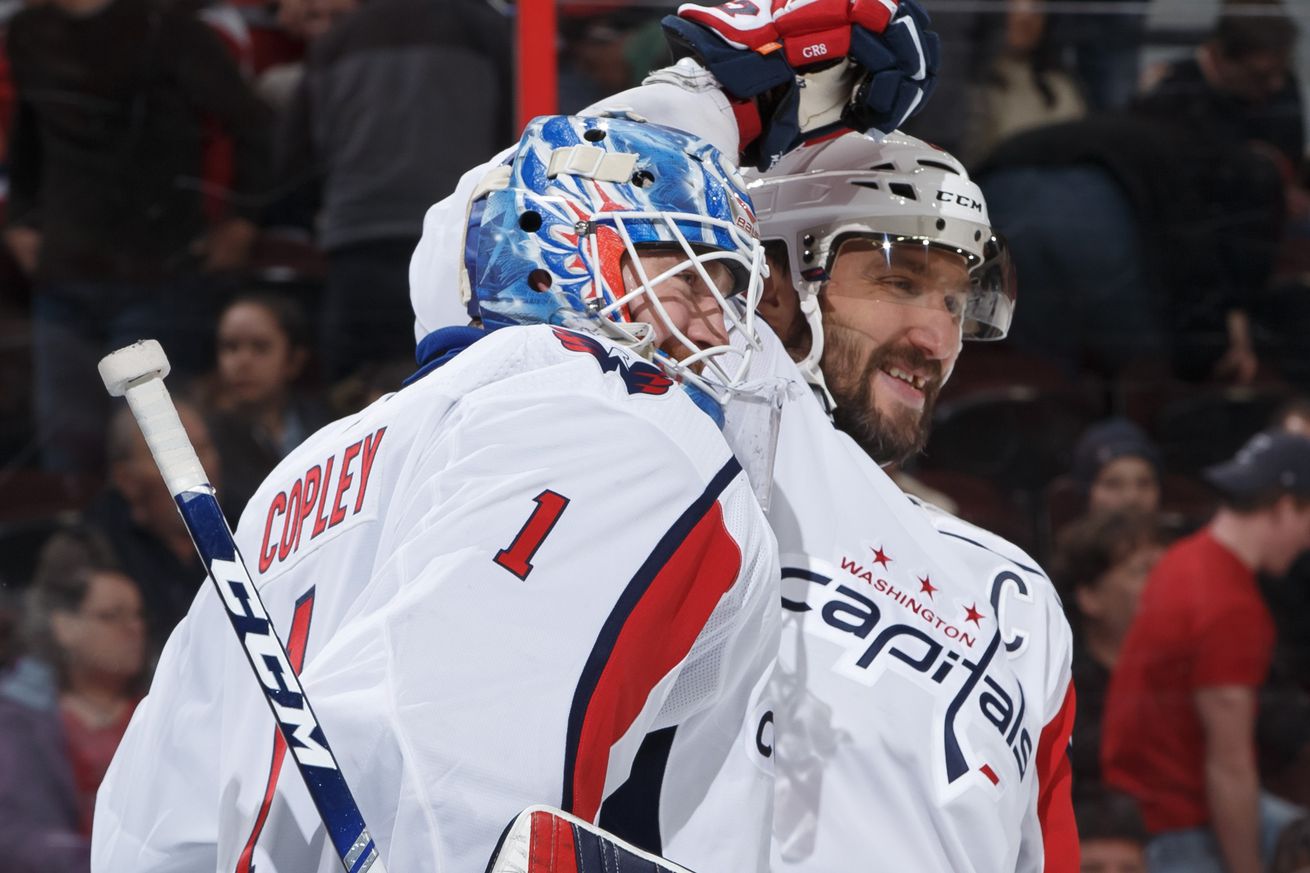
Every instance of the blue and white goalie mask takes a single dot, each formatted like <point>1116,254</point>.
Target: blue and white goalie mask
<point>632,230</point>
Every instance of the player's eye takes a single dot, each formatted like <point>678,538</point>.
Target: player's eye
<point>956,302</point>
<point>899,285</point>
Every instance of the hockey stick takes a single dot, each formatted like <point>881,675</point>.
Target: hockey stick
<point>137,372</point>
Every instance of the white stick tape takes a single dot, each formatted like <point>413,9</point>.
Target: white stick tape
<point>168,441</point>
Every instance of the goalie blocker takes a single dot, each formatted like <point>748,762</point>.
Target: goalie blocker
<point>545,840</point>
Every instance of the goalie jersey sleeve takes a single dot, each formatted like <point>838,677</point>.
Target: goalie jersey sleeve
<point>498,580</point>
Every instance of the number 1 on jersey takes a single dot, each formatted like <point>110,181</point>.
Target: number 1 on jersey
<point>517,556</point>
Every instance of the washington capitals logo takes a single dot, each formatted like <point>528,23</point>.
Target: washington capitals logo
<point>639,377</point>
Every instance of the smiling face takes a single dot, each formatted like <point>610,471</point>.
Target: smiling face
<point>892,320</point>
<point>688,306</point>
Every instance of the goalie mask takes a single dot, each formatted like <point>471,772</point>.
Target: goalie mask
<point>560,233</point>
<point>897,200</point>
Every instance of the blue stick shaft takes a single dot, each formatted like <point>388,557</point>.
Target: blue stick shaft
<point>286,698</point>
<point>137,373</point>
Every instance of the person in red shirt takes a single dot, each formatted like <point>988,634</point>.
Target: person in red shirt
<point>1179,726</point>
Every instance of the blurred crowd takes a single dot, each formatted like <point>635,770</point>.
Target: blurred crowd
<point>246,181</point>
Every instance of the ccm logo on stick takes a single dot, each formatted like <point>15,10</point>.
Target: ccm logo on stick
<point>270,664</point>
<point>320,497</point>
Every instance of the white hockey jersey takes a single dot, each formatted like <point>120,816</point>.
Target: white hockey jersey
<point>923,706</point>
<point>923,692</point>
<point>498,581</point>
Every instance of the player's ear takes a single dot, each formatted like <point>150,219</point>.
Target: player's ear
<point>780,302</point>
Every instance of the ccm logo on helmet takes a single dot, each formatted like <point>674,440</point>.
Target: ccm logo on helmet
<point>966,202</point>
<point>814,51</point>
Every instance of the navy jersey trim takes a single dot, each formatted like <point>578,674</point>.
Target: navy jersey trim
<point>632,594</point>
<point>632,812</point>
<point>1024,567</point>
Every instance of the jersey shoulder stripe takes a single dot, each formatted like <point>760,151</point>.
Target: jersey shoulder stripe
<point>971,534</point>
<point>650,630</point>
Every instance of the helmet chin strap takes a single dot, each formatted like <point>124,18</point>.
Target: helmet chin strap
<point>639,336</point>
<point>809,365</point>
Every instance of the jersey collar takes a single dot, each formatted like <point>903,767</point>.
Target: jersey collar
<point>440,346</point>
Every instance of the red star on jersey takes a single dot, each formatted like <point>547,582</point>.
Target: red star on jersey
<point>972,614</point>
<point>926,586</point>
<point>880,557</point>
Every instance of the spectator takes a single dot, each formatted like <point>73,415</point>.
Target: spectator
<point>138,517</point>
<point>1239,91</point>
<point>1283,735</point>
<point>606,51</point>
<point>1179,727</point>
<point>1239,87</point>
<point>84,619</point>
<point>105,209</point>
<point>1100,566</point>
<point>1162,257</point>
<point>970,43</point>
<point>1024,86</point>
<point>1105,46</point>
<point>1118,467</point>
<point>368,384</point>
<point>379,116</point>
<point>260,415</point>
<point>1110,833</point>
<point>1289,596</point>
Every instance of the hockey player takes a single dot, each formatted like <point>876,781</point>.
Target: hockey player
<point>925,694</point>
<point>923,697</point>
<point>922,705</point>
<point>498,580</point>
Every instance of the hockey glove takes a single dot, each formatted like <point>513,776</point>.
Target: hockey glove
<point>800,70</point>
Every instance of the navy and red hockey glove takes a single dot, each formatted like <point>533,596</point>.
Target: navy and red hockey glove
<point>800,70</point>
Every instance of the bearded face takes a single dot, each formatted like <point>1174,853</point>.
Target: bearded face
<point>892,320</point>
<point>885,395</point>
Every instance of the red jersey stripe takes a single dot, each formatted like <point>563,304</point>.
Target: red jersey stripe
<point>1054,791</point>
<point>658,633</point>
<point>296,644</point>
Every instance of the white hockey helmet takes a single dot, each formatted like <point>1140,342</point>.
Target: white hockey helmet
<point>898,190</point>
